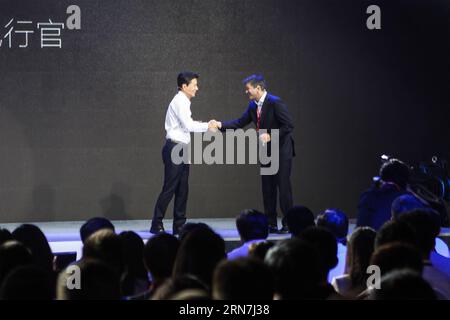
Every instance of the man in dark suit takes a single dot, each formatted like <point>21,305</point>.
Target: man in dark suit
<point>375,204</point>
<point>269,112</point>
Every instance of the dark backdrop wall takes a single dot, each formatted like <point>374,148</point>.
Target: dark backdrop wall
<point>81,127</point>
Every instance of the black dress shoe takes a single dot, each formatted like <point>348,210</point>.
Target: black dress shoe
<point>157,229</point>
<point>273,229</point>
<point>284,230</point>
<point>176,230</point>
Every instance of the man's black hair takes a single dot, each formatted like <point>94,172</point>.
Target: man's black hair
<point>395,171</point>
<point>255,80</point>
<point>185,77</point>
<point>252,224</point>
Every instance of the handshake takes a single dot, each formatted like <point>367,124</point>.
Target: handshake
<point>213,125</point>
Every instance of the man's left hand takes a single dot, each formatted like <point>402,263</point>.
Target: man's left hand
<point>265,137</point>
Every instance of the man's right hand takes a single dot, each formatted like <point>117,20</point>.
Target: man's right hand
<point>213,125</point>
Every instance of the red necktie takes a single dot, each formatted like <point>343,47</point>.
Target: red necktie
<point>258,116</point>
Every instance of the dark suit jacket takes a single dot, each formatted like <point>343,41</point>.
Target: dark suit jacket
<point>374,208</point>
<point>274,115</point>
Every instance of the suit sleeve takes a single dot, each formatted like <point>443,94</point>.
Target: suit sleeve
<point>283,116</point>
<point>241,122</point>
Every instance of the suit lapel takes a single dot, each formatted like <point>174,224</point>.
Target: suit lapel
<point>254,110</point>
<point>264,110</point>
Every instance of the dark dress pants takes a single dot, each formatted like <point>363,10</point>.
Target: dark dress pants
<point>176,182</point>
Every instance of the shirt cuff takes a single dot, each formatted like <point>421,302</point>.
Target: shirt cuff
<point>204,126</point>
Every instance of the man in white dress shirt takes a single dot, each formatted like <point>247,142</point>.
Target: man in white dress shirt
<point>179,124</point>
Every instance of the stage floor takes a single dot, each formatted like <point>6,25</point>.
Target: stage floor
<point>65,236</point>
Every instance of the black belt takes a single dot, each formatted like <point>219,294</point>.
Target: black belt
<point>175,141</point>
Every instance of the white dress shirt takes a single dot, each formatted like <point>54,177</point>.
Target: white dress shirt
<point>242,251</point>
<point>340,267</point>
<point>260,102</point>
<point>441,247</point>
<point>179,122</point>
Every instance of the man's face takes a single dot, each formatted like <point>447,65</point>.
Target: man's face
<point>191,89</point>
<point>253,93</point>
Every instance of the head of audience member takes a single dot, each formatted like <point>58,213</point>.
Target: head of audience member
<point>294,264</point>
<point>175,285</point>
<point>5,235</point>
<point>106,246</point>
<point>404,204</point>
<point>396,172</point>
<point>299,218</point>
<point>359,250</point>
<point>325,243</point>
<point>242,279</point>
<point>425,224</point>
<point>335,221</point>
<point>403,284</point>
<point>395,231</point>
<point>27,282</point>
<point>252,225</point>
<point>134,275</point>
<point>397,255</point>
<point>190,226</point>
<point>96,280</point>
<point>199,253</point>
<point>160,252</point>
<point>259,249</point>
<point>34,239</point>
<point>93,225</point>
<point>192,295</point>
<point>13,254</point>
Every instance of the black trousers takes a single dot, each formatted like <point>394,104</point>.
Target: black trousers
<point>274,184</point>
<point>176,182</point>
